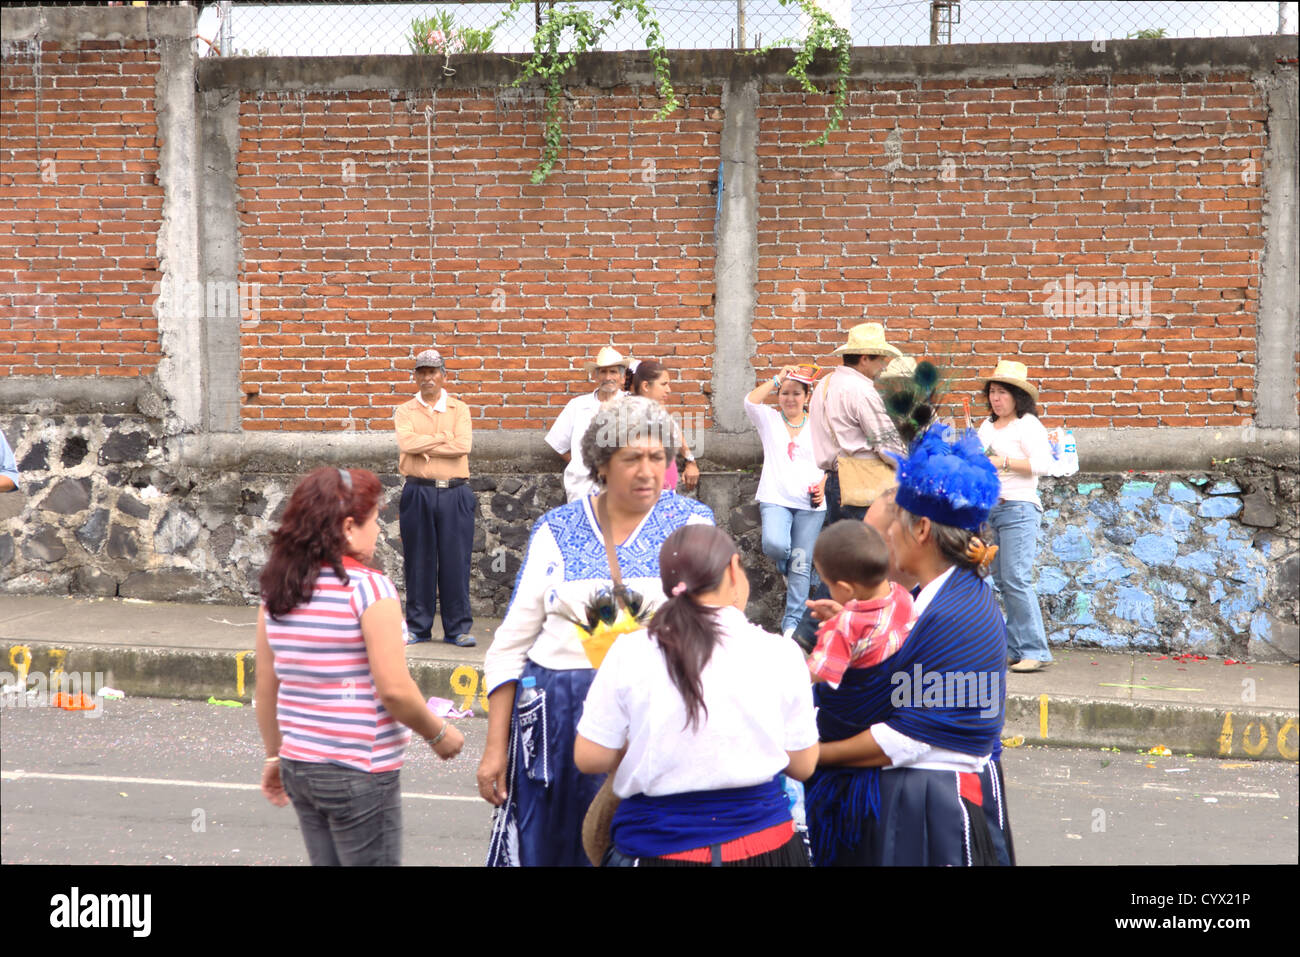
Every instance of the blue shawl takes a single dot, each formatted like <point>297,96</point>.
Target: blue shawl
<point>946,687</point>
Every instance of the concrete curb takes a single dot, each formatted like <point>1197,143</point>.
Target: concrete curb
<point>1249,733</point>
<point>200,674</point>
<point>1205,731</point>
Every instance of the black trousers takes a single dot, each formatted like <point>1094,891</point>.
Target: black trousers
<point>437,526</point>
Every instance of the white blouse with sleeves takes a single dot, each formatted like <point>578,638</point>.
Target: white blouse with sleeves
<point>759,702</point>
<point>564,566</point>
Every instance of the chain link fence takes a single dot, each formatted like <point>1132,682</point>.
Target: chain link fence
<point>334,29</point>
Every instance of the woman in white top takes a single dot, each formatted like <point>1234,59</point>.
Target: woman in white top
<point>1017,443</point>
<point>790,491</point>
<point>700,715</point>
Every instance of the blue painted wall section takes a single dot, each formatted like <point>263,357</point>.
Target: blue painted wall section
<point>1177,563</point>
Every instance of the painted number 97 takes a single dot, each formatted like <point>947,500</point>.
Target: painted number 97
<point>465,684</point>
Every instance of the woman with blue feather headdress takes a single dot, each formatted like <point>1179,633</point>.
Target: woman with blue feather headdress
<point>908,773</point>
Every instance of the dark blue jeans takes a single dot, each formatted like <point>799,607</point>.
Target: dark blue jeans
<point>348,817</point>
<point>437,526</point>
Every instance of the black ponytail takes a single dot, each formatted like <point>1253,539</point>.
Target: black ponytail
<point>692,560</point>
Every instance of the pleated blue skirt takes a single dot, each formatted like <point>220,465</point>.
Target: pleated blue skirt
<point>923,822</point>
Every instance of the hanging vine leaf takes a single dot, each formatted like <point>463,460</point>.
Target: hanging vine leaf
<point>584,32</point>
<point>823,34</point>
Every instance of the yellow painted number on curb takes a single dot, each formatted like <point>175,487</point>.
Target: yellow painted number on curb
<point>57,656</point>
<point>1255,748</point>
<point>239,673</point>
<point>1286,741</point>
<point>20,656</point>
<point>1042,716</point>
<point>1225,736</point>
<point>465,683</point>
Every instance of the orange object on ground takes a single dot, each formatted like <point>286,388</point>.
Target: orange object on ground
<point>79,702</point>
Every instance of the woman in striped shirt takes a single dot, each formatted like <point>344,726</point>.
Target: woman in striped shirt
<point>335,702</point>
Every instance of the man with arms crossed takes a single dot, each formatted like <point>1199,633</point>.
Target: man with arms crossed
<point>437,509</point>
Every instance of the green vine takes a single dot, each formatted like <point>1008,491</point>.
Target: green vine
<point>823,34</point>
<point>584,32</point>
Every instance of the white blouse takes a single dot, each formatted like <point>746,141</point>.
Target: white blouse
<point>1022,438</point>
<point>759,702</point>
<point>788,464</point>
<point>564,566</point>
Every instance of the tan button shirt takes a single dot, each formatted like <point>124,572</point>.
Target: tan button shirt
<point>847,417</point>
<point>434,440</point>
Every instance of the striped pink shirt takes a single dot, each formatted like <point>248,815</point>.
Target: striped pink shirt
<point>327,709</point>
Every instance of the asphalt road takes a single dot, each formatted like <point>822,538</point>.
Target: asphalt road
<point>165,782</point>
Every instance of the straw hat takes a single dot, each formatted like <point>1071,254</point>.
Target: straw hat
<point>867,339</point>
<point>606,357</point>
<point>1012,373</point>
<point>904,367</point>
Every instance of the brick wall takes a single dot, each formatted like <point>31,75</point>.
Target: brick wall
<point>80,209</point>
<point>944,208</point>
<point>359,262</point>
<point>1002,187</point>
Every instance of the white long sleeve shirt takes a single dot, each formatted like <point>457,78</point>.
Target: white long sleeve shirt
<point>1022,438</point>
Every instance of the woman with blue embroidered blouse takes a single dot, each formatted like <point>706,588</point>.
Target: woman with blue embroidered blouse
<point>564,586</point>
<point>908,773</point>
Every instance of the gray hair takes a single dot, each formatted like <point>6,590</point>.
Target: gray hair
<point>620,422</point>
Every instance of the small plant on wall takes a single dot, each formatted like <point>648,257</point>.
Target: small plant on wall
<point>439,34</point>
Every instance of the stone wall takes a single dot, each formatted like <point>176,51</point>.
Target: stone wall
<point>1202,562</point>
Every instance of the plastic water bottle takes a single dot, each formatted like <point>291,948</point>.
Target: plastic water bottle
<point>527,691</point>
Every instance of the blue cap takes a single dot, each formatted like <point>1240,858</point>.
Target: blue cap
<point>948,479</point>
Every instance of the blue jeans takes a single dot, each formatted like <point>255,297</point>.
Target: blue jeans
<point>788,538</point>
<point>348,817</point>
<point>1016,527</point>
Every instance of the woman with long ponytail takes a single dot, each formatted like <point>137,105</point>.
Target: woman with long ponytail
<point>697,717</point>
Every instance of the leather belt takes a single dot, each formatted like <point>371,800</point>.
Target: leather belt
<point>437,483</point>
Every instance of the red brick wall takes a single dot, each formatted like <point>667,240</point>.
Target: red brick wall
<point>1136,178</point>
<point>80,210</point>
<point>1139,178</point>
<point>617,246</point>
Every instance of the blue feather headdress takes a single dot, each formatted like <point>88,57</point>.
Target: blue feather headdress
<point>948,479</point>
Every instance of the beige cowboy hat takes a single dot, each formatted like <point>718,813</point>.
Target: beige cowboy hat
<point>605,358</point>
<point>867,339</point>
<point>904,367</point>
<point>1013,373</point>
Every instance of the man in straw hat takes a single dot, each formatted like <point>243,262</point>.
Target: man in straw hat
<point>608,370</point>
<point>850,427</point>
<point>436,514</point>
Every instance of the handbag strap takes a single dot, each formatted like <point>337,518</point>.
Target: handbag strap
<point>602,516</point>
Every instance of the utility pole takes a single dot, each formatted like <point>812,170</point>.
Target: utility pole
<point>740,24</point>
<point>943,14</point>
